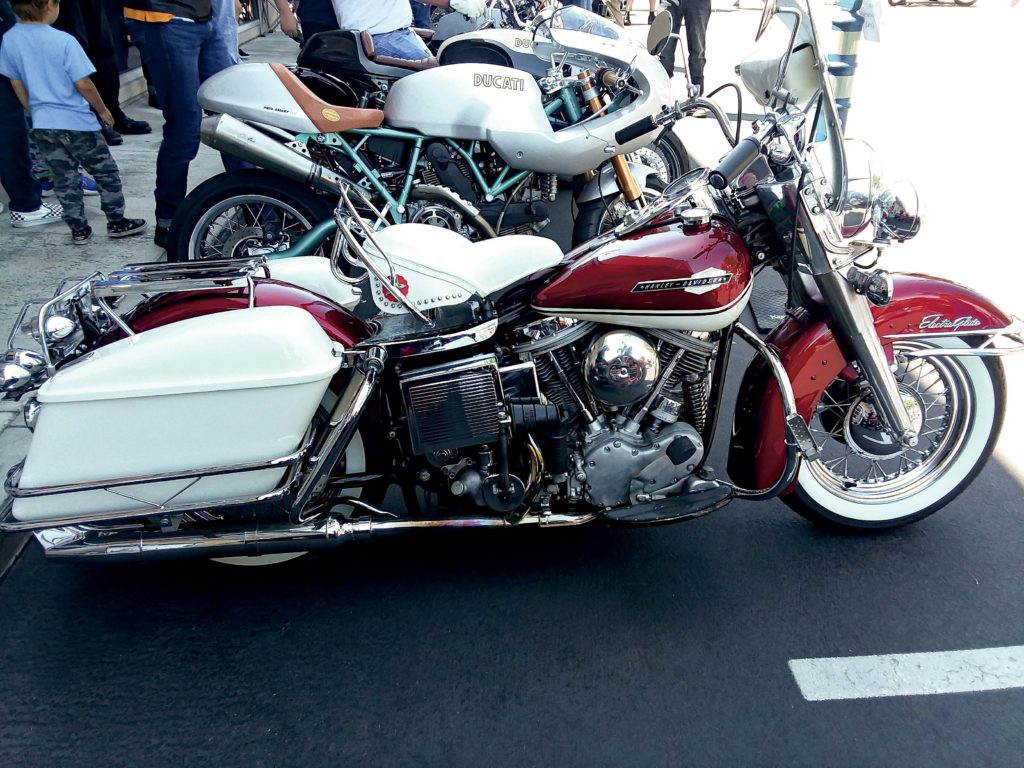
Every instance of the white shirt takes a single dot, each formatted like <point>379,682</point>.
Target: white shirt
<point>373,16</point>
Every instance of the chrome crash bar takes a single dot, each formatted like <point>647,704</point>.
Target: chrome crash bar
<point>8,524</point>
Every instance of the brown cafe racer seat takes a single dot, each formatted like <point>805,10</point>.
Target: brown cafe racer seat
<point>328,118</point>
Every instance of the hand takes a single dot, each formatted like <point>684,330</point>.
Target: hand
<point>471,8</point>
<point>106,118</point>
<point>289,25</point>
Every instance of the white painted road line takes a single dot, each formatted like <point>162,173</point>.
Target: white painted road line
<point>909,674</point>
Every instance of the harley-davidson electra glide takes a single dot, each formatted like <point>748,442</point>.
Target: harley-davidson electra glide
<point>503,384</point>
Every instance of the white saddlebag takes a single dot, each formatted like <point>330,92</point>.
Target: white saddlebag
<point>232,388</point>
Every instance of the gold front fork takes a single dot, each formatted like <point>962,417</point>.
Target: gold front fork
<point>631,191</point>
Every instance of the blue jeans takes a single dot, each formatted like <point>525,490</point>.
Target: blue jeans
<point>180,55</point>
<point>401,44</point>
<point>420,15</point>
<point>15,166</point>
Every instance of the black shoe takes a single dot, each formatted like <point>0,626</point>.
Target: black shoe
<point>81,236</point>
<point>242,54</point>
<point>626,20</point>
<point>112,137</point>
<point>160,236</point>
<point>132,127</point>
<point>125,227</point>
<point>650,19</point>
<point>152,99</point>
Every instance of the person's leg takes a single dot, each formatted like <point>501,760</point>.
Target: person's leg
<point>401,44</point>
<point>15,166</point>
<point>172,51</point>
<point>67,183</point>
<point>215,56</point>
<point>668,51</point>
<point>89,148</point>
<point>696,15</point>
<point>420,15</point>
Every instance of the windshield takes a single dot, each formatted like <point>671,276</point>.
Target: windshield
<point>558,25</point>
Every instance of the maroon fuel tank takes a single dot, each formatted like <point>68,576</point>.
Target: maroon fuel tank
<point>696,278</point>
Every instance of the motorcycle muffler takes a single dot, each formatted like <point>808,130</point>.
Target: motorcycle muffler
<point>228,134</point>
<point>85,545</point>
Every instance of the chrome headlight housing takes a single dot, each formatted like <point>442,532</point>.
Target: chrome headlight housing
<point>896,212</point>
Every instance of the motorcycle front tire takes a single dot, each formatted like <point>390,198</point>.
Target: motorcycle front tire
<point>593,217</point>
<point>252,184</point>
<point>968,392</point>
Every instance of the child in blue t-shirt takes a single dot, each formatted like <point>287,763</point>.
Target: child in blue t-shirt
<point>49,72</point>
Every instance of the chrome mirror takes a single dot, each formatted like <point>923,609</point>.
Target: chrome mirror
<point>659,33</point>
<point>896,212</point>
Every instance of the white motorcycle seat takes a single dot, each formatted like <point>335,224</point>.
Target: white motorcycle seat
<point>484,267</point>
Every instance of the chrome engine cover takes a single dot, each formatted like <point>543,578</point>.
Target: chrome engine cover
<point>621,367</point>
<point>624,467</point>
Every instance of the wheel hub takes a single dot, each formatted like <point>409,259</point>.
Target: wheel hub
<point>867,435</point>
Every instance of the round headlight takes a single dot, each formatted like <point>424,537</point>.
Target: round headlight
<point>58,327</point>
<point>896,212</point>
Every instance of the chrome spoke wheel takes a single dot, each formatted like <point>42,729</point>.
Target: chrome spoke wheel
<point>859,460</point>
<point>244,226</point>
<point>863,478</point>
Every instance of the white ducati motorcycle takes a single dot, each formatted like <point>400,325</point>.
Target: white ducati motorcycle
<point>475,148</point>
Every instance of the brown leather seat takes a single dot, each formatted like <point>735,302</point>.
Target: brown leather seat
<point>387,61</point>
<point>328,118</point>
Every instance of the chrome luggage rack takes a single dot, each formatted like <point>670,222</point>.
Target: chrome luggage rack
<point>52,323</point>
<point>166,509</point>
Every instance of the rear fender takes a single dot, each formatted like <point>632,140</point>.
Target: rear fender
<point>813,357</point>
<point>338,323</point>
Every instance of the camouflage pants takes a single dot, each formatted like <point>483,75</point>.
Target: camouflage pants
<point>64,152</point>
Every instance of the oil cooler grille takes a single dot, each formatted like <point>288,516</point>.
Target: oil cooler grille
<point>452,407</point>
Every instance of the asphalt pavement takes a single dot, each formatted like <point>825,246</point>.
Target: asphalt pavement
<point>592,646</point>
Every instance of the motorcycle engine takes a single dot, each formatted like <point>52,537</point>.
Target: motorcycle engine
<point>637,401</point>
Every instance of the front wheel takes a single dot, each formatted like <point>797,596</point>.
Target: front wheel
<point>666,156</point>
<point>597,216</point>
<point>242,214</point>
<point>863,479</point>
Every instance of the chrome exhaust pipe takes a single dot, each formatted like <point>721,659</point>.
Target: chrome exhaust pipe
<point>92,546</point>
<point>228,134</point>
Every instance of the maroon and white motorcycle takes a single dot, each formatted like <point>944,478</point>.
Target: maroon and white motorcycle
<point>233,409</point>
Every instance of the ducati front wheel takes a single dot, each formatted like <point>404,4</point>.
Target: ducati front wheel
<point>597,216</point>
<point>864,479</point>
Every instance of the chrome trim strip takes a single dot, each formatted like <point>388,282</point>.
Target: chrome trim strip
<point>466,337</point>
<point>1014,333</point>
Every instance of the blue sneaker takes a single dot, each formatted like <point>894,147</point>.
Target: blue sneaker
<point>89,188</point>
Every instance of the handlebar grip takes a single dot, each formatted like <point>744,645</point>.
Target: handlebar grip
<point>639,128</point>
<point>735,163</point>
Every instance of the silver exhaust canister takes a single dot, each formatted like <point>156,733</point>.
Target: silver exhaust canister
<point>230,135</point>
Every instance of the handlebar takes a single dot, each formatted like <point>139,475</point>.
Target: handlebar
<point>735,163</point>
<point>635,130</point>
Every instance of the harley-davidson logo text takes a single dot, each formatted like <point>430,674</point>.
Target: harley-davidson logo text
<point>938,322</point>
<point>683,283</point>
<point>502,82</point>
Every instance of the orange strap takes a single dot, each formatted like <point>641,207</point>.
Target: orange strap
<point>154,16</point>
